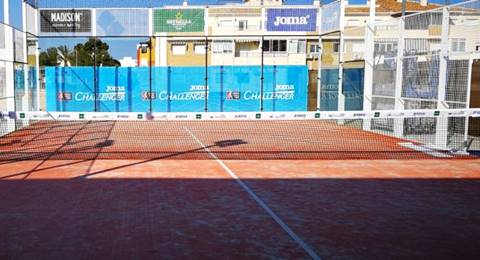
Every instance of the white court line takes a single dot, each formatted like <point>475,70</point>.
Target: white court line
<point>425,150</point>
<point>262,204</point>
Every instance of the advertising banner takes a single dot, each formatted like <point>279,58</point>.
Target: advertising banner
<point>65,20</point>
<point>352,89</point>
<point>122,22</point>
<point>176,89</point>
<point>235,88</point>
<point>180,89</point>
<point>291,20</point>
<point>331,17</point>
<point>178,20</point>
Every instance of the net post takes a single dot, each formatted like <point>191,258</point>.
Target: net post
<point>319,55</point>
<point>469,88</point>
<point>206,74</point>
<point>319,71</point>
<point>37,61</point>
<point>205,31</point>
<point>94,25</point>
<point>341,97</point>
<point>9,70</point>
<point>26,105</point>
<point>441,136</point>
<point>95,73</point>
<point>369,63</point>
<point>399,122</point>
<point>262,74</point>
<point>150,48</point>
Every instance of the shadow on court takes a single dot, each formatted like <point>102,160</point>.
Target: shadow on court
<point>215,218</point>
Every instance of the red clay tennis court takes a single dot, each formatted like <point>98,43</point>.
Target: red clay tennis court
<point>234,189</point>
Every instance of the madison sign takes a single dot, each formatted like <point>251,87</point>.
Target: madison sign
<point>291,20</point>
<point>178,20</point>
<point>65,20</point>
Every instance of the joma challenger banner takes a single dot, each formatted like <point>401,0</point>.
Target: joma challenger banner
<point>176,89</point>
<point>65,20</point>
<point>292,20</point>
<point>178,20</point>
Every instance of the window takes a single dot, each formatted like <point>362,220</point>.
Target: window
<point>225,23</point>
<point>336,46</point>
<point>179,49</point>
<point>222,47</point>
<point>144,49</point>
<point>297,46</point>
<point>292,46</point>
<point>458,45</point>
<point>314,48</point>
<point>266,46</point>
<point>477,48</point>
<point>243,25</point>
<point>384,47</point>
<point>302,46</point>
<point>275,45</point>
<point>434,45</point>
<point>200,48</point>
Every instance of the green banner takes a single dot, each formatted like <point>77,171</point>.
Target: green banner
<point>178,20</point>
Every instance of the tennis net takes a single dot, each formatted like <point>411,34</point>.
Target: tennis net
<point>408,134</point>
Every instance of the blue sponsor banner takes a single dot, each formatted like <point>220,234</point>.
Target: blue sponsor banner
<point>120,89</point>
<point>291,20</point>
<point>69,89</point>
<point>176,89</point>
<point>281,89</point>
<point>329,90</point>
<point>352,89</point>
<point>234,88</point>
<point>122,22</point>
<point>182,89</point>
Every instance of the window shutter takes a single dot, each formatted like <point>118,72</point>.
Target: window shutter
<point>293,46</point>
<point>302,46</point>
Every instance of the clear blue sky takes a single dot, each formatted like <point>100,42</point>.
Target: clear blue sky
<point>121,47</point>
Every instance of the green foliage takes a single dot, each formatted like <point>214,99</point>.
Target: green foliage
<point>94,51</point>
<point>49,57</point>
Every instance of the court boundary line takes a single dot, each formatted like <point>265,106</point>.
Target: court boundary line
<point>259,201</point>
<point>424,149</point>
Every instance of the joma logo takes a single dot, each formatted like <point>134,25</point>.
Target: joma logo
<point>291,20</point>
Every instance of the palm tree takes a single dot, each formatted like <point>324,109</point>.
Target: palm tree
<point>65,55</point>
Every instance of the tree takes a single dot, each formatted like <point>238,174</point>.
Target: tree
<point>65,55</point>
<point>49,57</point>
<point>94,51</point>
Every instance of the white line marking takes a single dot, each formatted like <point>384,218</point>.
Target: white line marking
<point>425,150</point>
<point>262,204</point>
